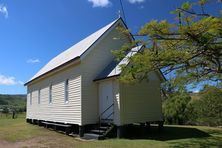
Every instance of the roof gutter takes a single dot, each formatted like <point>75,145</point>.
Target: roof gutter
<point>95,80</point>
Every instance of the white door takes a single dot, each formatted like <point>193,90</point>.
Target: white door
<point>106,100</point>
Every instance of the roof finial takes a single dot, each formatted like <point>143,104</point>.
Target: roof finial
<point>122,9</point>
<point>119,14</point>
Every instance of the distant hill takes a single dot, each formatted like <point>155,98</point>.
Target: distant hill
<point>13,101</point>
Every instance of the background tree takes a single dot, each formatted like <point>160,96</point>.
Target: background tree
<point>207,110</point>
<point>175,108</point>
<point>191,48</point>
<point>5,110</point>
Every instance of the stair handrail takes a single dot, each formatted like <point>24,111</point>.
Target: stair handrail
<point>103,113</point>
<point>105,110</point>
<point>109,115</point>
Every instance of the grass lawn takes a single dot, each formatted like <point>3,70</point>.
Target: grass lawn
<point>18,133</point>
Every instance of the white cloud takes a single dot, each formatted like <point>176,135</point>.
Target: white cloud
<point>32,61</point>
<point>21,83</point>
<point>8,80</point>
<point>100,3</point>
<point>3,10</point>
<point>136,1</point>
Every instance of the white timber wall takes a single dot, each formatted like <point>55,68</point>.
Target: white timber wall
<point>141,102</point>
<point>92,65</point>
<point>58,110</point>
<point>28,111</point>
<point>116,101</point>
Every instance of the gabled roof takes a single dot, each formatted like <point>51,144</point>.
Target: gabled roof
<point>75,52</point>
<point>114,68</point>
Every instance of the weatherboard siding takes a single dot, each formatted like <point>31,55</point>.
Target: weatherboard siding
<point>28,106</point>
<point>116,102</point>
<point>92,65</point>
<point>35,103</point>
<point>58,110</point>
<point>141,102</point>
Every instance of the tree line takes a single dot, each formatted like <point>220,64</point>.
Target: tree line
<point>12,103</point>
<point>203,109</point>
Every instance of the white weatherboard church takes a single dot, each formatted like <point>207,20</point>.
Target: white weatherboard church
<point>80,87</point>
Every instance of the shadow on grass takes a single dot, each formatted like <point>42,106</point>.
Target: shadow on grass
<point>198,142</point>
<point>167,133</point>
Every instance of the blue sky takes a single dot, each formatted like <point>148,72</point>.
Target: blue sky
<point>33,32</point>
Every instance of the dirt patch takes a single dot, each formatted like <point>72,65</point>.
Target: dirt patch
<point>5,144</point>
<point>34,142</point>
<point>59,141</point>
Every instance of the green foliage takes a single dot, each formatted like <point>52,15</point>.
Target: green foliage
<point>202,2</point>
<point>208,109</point>
<point>175,108</point>
<point>5,110</point>
<point>205,108</point>
<point>191,47</point>
<point>186,6</point>
<point>13,102</point>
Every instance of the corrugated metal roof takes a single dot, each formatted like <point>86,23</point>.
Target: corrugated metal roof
<point>75,51</point>
<point>113,69</point>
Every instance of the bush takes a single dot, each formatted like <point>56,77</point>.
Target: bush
<point>208,109</point>
<point>175,108</point>
<point>5,110</point>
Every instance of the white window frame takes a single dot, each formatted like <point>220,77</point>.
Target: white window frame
<point>66,91</point>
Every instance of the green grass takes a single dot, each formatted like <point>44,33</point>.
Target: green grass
<point>18,132</point>
<point>16,129</point>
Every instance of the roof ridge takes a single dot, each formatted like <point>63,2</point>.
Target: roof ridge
<point>73,52</point>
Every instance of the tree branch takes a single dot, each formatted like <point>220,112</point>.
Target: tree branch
<point>197,14</point>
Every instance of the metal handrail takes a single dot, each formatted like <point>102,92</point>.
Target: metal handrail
<point>109,115</point>
<point>103,113</point>
<point>105,110</point>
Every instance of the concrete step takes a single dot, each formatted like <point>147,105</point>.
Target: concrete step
<point>104,127</point>
<point>98,131</point>
<point>108,121</point>
<point>89,136</point>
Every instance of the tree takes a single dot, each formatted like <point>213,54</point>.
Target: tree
<point>208,109</point>
<point>5,110</point>
<point>174,108</point>
<point>190,48</point>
